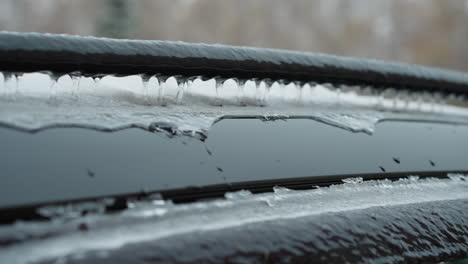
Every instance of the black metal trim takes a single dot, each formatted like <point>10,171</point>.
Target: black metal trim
<point>195,193</point>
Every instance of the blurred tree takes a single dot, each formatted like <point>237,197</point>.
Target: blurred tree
<point>116,20</point>
<point>431,32</point>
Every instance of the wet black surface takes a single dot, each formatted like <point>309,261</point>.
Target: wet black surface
<point>71,163</point>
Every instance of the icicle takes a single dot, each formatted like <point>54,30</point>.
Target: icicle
<point>204,78</point>
<point>257,83</point>
<point>181,80</point>
<point>2,88</point>
<point>380,99</point>
<point>282,85</point>
<point>17,76</point>
<point>149,89</point>
<point>218,86</point>
<point>403,96</point>
<point>54,79</point>
<point>264,93</point>
<point>438,98</point>
<point>15,84</point>
<point>392,95</point>
<point>190,81</point>
<point>241,91</point>
<point>8,79</point>
<point>53,89</point>
<point>365,91</point>
<point>7,76</point>
<point>451,96</point>
<point>161,92</point>
<point>298,88</point>
<point>96,80</point>
<point>268,91</point>
<point>189,85</point>
<point>419,100</point>
<point>76,79</point>
<point>145,80</point>
<point>432,102</point>
<point>75,83</point>
<point>338,95</point>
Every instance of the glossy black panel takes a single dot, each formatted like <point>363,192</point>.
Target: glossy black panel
<point>71,163</point>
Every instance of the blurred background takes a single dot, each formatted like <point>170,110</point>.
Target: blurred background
<point>430,32</point>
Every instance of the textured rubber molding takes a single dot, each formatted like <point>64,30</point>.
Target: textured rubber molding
<point>27,52</point>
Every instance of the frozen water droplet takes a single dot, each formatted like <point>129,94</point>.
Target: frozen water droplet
<point>90,173</point>
<point>208,151</point>
<point>413,178</point>
<point>269,202</point>
<point>355,180</point>
<point>281,190</point>
<point>239,195</point>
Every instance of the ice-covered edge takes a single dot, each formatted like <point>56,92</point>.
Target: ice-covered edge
<point>32,102</point>
<point>11,41</point>
<point>157,219</point>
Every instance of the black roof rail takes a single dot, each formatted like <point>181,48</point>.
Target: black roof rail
<point>62,54</point>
